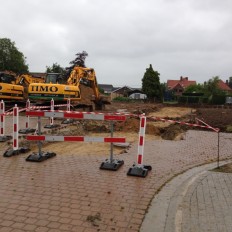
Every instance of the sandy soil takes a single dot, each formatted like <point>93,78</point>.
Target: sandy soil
<point>128,129</point>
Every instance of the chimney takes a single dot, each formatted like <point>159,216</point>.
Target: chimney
<point>181,78</point>
<point>227,82</point>
<point>186,78</point>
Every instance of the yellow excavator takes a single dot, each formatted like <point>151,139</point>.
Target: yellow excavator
<point>9,90</point>
<point>81,88</point>
<point>25,80</point>
<point>14,87</point>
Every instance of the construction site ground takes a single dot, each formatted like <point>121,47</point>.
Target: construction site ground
<point>70,193</point>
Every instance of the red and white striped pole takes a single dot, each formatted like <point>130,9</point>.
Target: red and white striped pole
<point>68,104</point>
<point>52,109</point>
<point>28,106</point>
<point>15,123</point>
<point>141,140</point>
<point>2,119</point>
<point>139,169</point>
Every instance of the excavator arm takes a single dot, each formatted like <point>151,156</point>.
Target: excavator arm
<point>26,79</point>
<point>87,76</point>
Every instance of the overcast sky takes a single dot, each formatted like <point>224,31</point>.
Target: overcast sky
<point>191,38</point>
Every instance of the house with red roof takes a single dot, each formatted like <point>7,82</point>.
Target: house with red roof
<point>178,86</point>
<point>224,86</point>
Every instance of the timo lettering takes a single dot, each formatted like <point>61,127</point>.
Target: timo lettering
<point>44,88</point>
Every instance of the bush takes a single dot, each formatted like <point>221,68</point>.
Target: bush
<point>229,129</point>
<point>192,99</point>
<point>218,99</point>
<point>122,99</point>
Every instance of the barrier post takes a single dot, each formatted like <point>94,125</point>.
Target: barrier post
<point>16,150</point>
<point>139,169</point>
<point>52,109</point>
<point>68,104</point>
<point>111,163</point>
<point>2,121</point>
<point>15,128</point>
<point>68,120</point>
<point>3,137</point>
<point>28,106</point>
<point>27,129</point>
<point>40,156</point>
<point>51,124</point>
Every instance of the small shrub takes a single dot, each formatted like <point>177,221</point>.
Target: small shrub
<point>122,99</point>
<point>229,128</point>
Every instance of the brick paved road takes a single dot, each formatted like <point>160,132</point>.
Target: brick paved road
<point>70,193</point>
<point>209,203</point>
<point>197,200</point>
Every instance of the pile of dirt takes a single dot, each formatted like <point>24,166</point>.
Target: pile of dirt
<point>171,132</point>
<point>133,107</point>
<point>215,117</point>
<point>132,125</point>
<point>86,95</point>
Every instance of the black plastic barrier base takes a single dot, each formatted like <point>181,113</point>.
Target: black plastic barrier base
<point>12,152</point>
<point>51,126</point>
<point>5,138</point>
<point>140,171</point>
<point>27,131</point>
<point>113,165</point>
<point>67,121</point>
<point>36,157</point>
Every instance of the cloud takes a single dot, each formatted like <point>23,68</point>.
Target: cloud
<point>190,38</point>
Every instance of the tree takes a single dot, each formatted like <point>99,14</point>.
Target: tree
<point>230,82</point>
<point>212,86</point>
<point>197,88</point>
<point>55,68</point>
<point>78,61</point>
<point>11,58</point>
<point>151,84</point>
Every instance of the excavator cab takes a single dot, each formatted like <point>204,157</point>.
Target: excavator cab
<point>53,78</point>
<point>6,78</point>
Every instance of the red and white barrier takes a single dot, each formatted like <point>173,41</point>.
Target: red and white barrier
<point>77,115</point>
<point>2,118</point>
<point>15,124</point>
<point>141,139</point>
<point>184,123</point>
<point>52,109</point>
<point>28,105</point>
<point>140,169</point>
<point>59,138</point>
<point>206,125</point>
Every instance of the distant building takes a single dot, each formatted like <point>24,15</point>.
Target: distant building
<point>224,86</point>
<point>178,86</point>
<point>121,92</point>
<point>137,94</point>
<point>106,88</point>
<point>126,91</point>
